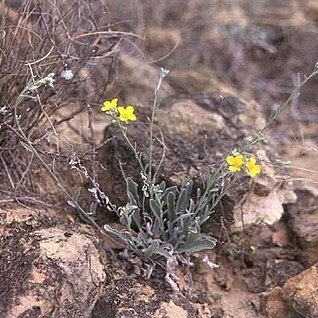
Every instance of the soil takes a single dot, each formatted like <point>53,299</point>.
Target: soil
<point>231,64</point>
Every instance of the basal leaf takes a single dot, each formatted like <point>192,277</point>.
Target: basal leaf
<point>203,243</point>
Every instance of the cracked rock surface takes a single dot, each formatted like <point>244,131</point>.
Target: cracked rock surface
<point>48,269</point>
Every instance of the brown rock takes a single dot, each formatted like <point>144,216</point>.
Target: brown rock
<point>170,310</point>
<point>47,269</point>
<point>303,221</point>
<point>280,238</point>
<point>298,296</point>
<point>265,202</point>
<point>160,42</point>
<point>275,305</point>
<point>301,292</point>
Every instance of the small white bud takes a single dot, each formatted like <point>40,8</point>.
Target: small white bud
<point>67,75</point>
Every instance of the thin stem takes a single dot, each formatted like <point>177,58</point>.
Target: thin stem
<point>153,112</point>
<point>155,105</point>
<point>290,98</point>
<point>137,155</point>
<point>22,135</point>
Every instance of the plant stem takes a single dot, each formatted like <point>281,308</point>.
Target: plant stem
<point>35,152</point>
<point>137,156</point>
<point>290,98</point>
<point>155,105</point>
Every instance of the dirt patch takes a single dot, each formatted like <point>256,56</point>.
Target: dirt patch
<point>16,262</point>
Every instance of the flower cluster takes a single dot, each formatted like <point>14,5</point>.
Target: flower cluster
<point>123,113</point>
<point>239,161</point>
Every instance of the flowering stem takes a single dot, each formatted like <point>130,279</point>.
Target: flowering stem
<point>31,148</point>
<point>137,156</point>
<point>156,102</point>
<point>290,98</point>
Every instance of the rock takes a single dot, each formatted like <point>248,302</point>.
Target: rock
<point>170,310</point>
<point>160,42</point>
<point>298,297</point>
<point>303,221</point>
<point>264,203</point>
<point>280,237</point>
<point>279,270</point>
<point>275,306</point>
<point>48,269</point>
<point>137,81</point>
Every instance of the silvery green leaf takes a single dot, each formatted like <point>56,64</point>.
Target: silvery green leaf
<point>162,186</point>
<point>171,208</point>
<point>157,226</point>
<point>163,251</point>
<point>142,237</point>
<point>208,210</point>
<point>193,236</point>
<point>172,190</point>
<point>152,249</point>
<point>191,207</point>
<point>71,203</point>
<point>92,208</point>
<point>126,218</point>
<point>177,232</point>
<point>122,220</point>
<point>54,166</point>
<point>136,217</point>
<point>202,202</point>
<point>182,201</point>
<point>188,186</point>
<point>124,235</point>
<point>198,194</point>
<point>132,187</point>
<point>76,194</point>
<point>187,222</point>
<point>26,146</point>
<point>204,218</point>
<point>203,243</point>
<point>155,208</point>
<point>182,217</point>
<point>170,229</point>
<point>132,199</point>
<point>164,235</point>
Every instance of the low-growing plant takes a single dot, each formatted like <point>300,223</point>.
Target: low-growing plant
<point>164,223</point>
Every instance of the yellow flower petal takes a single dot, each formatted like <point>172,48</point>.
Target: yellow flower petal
<point>233,168</point>
<point>235,162</point>
<point>252,168</point>
<point>239,160</point>
<point>252,161</point>
<point>230,160</point>
<point>108,105</point>
<point>127,113</point>
<point>255,170</point>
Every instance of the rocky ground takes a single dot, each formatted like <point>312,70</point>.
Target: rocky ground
<point>229,67</point>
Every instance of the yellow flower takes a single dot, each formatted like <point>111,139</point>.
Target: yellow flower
<point>109,105</point>
<point>235,162</point>
<point>252,168</point>
<point>127,113</point>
